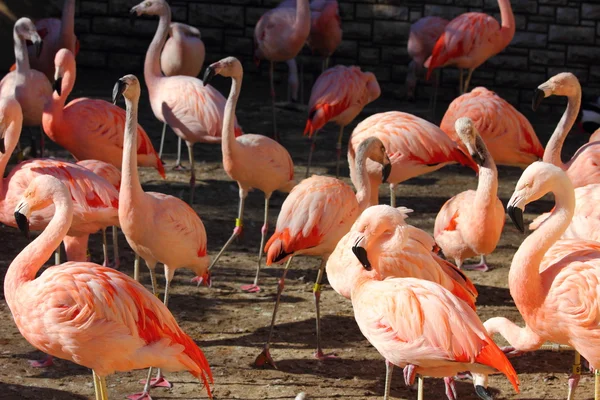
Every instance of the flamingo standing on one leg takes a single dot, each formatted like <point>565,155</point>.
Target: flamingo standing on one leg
<point>183,54</point>
<point>554,282</point>
<point>192,110</point>
<point>338,95</point>
<point>279,35</point>
<point>415,147</point>
<point>316,214</point>
<point>158,227</point>
<point>91,315</point>
<point>470,223</point>
<point>508,135</point>
<point>90,128</point>
<point>470,39</point>
<point>254,161</point>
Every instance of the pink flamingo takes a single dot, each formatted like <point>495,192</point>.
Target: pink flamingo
<point>553,281</point>
<point>91,315</point>
<point>470,223</point>
<point>338,95</point>
<point>271,164</point>
<point>325,29</point>
<point>192,110</point>
<point>508,135</point>
<point>470,39</point>
<point>182,242</point>
<point>582,169</point>
<point>90,128</point>
<point>183,54</point>
<point>313,218</point>
<point>415,147</point>
<point>279,35</point>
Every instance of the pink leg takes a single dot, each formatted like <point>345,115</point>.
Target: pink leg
<point>317,294</point>
<point>45,362</point>
<point>450,388</point>
<point>254,288</point>
<point>76,247</point>
<point>410,372</point>
<point>482,266</point>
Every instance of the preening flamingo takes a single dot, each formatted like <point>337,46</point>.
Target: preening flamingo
<point>183,54</point>
<point>313,218</point>
<point>279,35</point>
<point>582,169</point>
<point>508,135</point>
<point>415,147</point>
<point>470,39</point>
<point>91,315</point>
<point>192,110</point>
<point>554,282</point>
<point>422,327</point>
<point>338,95</point>
<point>470,223</point>
<point>158,227</point>
<point>254,161</point>
<point>90,128</point>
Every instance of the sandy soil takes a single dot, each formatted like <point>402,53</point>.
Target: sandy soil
<point>231,326</point>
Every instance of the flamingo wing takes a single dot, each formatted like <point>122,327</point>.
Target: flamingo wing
<point>104,170</point>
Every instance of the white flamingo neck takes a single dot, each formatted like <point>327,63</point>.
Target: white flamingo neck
<point>487,185</point>
<point>21,55</point>
<point>552,153</point>
<point>363,183</point>
<point>152,61</point>
<point>228,133</point>
<point>11,138</point>
<point>507,20</point>
<point>67,25</point>
<point>130,181</point>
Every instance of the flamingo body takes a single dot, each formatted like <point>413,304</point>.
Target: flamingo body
<point>325,27</point>
<point>105,170</point>
<point>184,51</point>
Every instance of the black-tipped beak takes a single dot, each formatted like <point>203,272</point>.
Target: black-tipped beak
<point>208,75</point>
<point>478,158</point>
<point>118,90</point>
<point>38,45</point>
<point>22,223</point>
<point>57,86</point>
<point>385,172</point>
<point>2,146</point>
<point>361,254</point>
<point>538,97</point>
<point>483,393</point>
<point>516,216</point>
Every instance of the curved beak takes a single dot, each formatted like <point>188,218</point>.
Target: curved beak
<point>538,97</point>
<point>57,86</point>
<point>38,45</point>
<point>118,90</point>
<point>361,254</point>
<point>22,223</point>
<point>133,14</point>
<point>2,145</point>
<point>386,170</point>
<point>204,280</point>
<point>209,74</point>
<point>516,216</point>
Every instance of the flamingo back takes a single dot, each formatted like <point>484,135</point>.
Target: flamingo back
<point>104,170</point>
<point>184,51</point>
<point>422,37</point>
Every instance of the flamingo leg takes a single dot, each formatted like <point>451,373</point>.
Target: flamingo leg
<point>468,80</point>
<point>575,376</point>
<point>145,395</point>
<point>115,239</point>
<point>326,63</point>
<point>436,85</point>
<point>237,231</point>
<point>389,368</point>
<point>597,384</point>
<point>97,389</point>
<point>136,268</point>
<point>420,388</point>
<point>313,145</point>
<point>103,388</point>
<point>42,142</point>
<point>153,280</point>
<point>338,152</point>
<point>192,171</point>
<point>162,140</point>
<point>104,248</point>
<point>45,362</point>
<point>460,85</point>
<point>265,356</point>
<point>482,266</point>
<point>178,165</point>
<point>57,256</point>
<point>450,388</point>
<point>271,77</point>
<point>317,294</point>
<point>264,230</point>
<point>393,195</point>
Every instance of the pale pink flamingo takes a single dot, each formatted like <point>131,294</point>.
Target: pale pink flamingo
<point>325,29</point>
<point>183,54</point>
<point>470,39</point>
<point>415,147</point>
<point>470,223</point>
<point>279,36</point>
<point>422,327</point>
<point>254,161</point>
<point>582,169</point>
<point>192,110</point>
<point>91,315</point>
<point>29,86</point>
<point>90,128</point>
<point>508,135</point>
<point>158,227</point>
<point>554,282</point>
<point>313,218</point>
<point>338,95</point>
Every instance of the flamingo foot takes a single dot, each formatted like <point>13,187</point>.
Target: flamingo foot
<point>158,382</point>
<point>264,359</point>
<point>179,167</point>
<point>481,267</point>
<point>45,362</point>
<point>450,388</point>
<point>483,393</point>
<point>410,372</point>
<point>319,355</point>
<point>510,351</point>
<point>573,383</point>
<point>251,288</point>
<point>140,396</point>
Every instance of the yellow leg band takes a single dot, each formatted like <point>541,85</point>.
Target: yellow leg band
<point>597,372</point>
<point>238,223</point>
<point>576,369</point>
<point>317,288</point>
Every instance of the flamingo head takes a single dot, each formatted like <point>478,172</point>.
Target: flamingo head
<point>563,84</point>
<point>204,279</point>
<point>128,86</point>
<point>469,135</point>
<point>229,67</point>
<point>374,149</point>
<point>38,195</point>
<point>25,29</point>
<point>64,64</point>
<point>150,7</point>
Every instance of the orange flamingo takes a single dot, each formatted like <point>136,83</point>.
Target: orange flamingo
<point>192,110</point>
<point>182,243</point>
<point>279,35</point>
<point>470,223</point>
<point>338,95</point>
<point>272,166</point>
<point>470,39</point>
<point>313,218</point>
<point>582,169</point>
<point>415,147</point>
<point>508,135</point>
<point>91,315</point>
<point>90,128</point>
<point>183,54</point>
<point>553,281</point>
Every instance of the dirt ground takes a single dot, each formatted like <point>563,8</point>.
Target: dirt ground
<point>231,326</point>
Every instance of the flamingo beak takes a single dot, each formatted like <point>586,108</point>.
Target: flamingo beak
<point>516,216</point>
<point>205,280</point>
<point>57,85</point>
<point>118,90</point>
<point>38,45</point>
<point>209,74</point>
<point>361,254</point>
<point>385,171</point>
<point>2,146</point>
<point>21,218</point>
<point>538,96</point>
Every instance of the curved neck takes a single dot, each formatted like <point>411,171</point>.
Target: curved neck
<point>301,27</point>
<point>11,139</point>
<point>29,261</point>
<point>67,25</point>
<point>555,144</point>
<point>130,181</point>
<point>228,132</point>
<point>508,22</point>
<point>525,282</point>
<point>363,184</point>
<point>152,62</point>
<point>487,186</point>
<point>53,110</point>
<point>21,55</point>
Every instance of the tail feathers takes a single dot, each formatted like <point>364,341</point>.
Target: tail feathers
<point>439,57</point>
<point>320,114</point>
<point>200,368</point>
<point>275,249</point>
<point>463,294</point>
<point>492,356</point>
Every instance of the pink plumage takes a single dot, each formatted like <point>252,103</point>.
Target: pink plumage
<point>104,170</point>
<point>184,51</point>
<point>325,30</point>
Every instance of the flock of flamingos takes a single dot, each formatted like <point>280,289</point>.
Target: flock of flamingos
<point>415,307</point>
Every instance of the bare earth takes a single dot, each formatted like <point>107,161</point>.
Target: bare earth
<point>231,326</point>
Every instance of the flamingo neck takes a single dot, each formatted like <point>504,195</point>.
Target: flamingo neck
<point>21,55</point>
<point>525,283</point>
<point>228,134</point>
<point>487,186</point>
<point>130,181</point>
<point>152,70</point>
<point>301,27</point>
<point>555,144</point>
<point>29,261</point>
<point>363,183</point>
<point>507,18</point>
<point>11,138</point>
<point>67,25</point>
<point>52,119</point>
